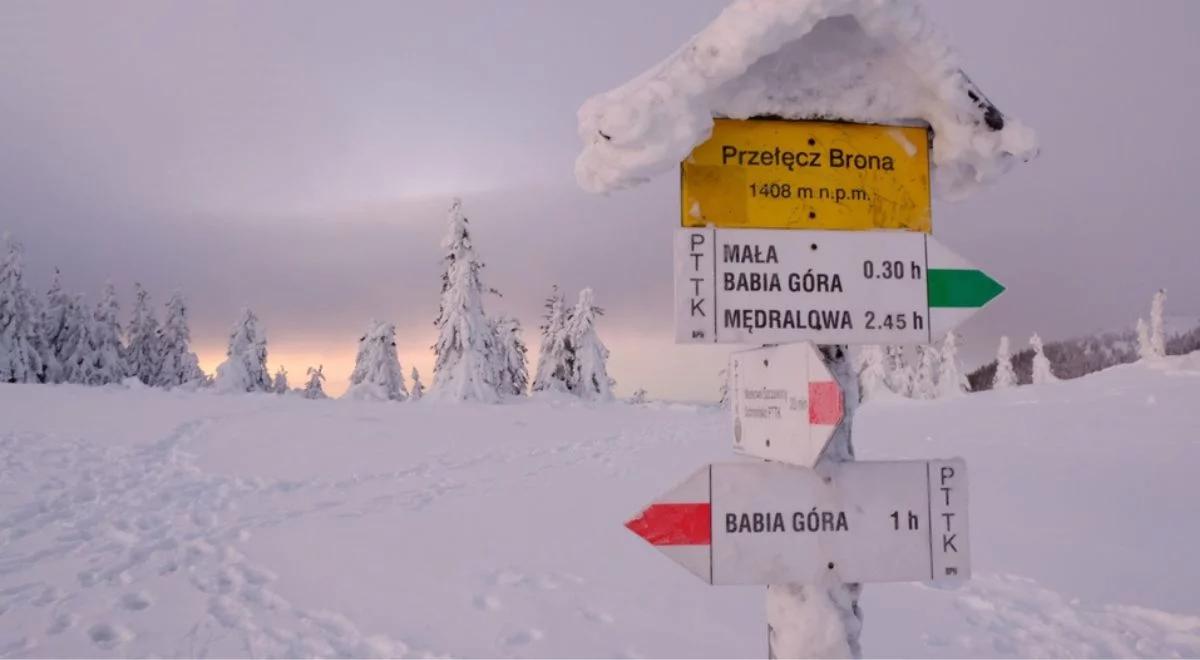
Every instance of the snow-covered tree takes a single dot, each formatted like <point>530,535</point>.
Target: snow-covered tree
<point>279,384</point>
<point>54,330</point>
<point>1145,349</point>
<point>1005,376</point>
<point>1041,364</point>
<point>951,381</point>
<point>101,358</point>
<point>513,365</point>
<point>74,339</point>
<point>144,352</point>
<point>556,360</point>
<point>418,388</point>
<point>464,364</point>
<point>872,372</point>
<point>313,389</point>
<point>1158,341</point>
<point>899,378</point>
<point>589,377</point>
<point>925,374</point>
<point>20,357</point>
<point>377,373</point>
<point>639,396</point>
<point>245,365</point>
<point>179,364</point>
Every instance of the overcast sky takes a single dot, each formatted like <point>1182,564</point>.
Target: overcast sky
<point>297,158</point>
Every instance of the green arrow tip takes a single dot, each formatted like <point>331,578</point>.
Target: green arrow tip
<point>961,288</point>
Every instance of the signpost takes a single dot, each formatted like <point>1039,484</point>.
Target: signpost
<point>829,287</point>
<point>770,523</point>
<point>786,403</point>
<point>793,230</point>
<point>764,173</point>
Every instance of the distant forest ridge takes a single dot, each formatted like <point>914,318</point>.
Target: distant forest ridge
<point>1079,356</point>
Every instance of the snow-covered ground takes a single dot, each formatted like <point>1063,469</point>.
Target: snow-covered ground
<point>141,522</point>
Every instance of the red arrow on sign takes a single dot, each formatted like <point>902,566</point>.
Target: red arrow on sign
<point>761,522</point>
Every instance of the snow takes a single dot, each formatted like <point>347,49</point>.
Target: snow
<point>164,523</point>
<point>869,61</point>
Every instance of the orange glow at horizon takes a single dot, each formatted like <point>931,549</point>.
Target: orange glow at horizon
<point>635,361</point>
<point>336,358</point>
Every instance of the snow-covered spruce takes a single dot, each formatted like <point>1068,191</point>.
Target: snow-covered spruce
<point>54,328</point>
<point>418,388</point>
<point>512,363</point>
<point>872,372</point>
<point>1145,349</point>
<point>589,377</point>
<point>925,375</point>
<point>377,374</point>
<point>1042,373</point>
<point>20,358</point>
<point>76,323</point>
<point>639,397</point>
<point>245,365</point>
<point>464,366</point>
<point>899,378</point>
<point>179,365</point>
<point>279,384</point>
<point>1005,376</point>
<point>1158,342</point>
<point>951,381</point>
<point>873,62</point>
<point>555,358</point>
<point>100,360</point>
<point>314,388</point>
<point>144,352</point>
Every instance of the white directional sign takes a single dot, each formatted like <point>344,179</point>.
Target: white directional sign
<point>786,403</point>
<point>769,523</point>
<point>768,286</point>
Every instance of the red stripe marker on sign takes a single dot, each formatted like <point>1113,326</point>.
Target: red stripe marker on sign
<point>824,403</point>
<point>786,403</point>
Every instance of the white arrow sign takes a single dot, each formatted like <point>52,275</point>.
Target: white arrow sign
<point>766,286</point>
<point>786,403</point>
<point>769,523</point>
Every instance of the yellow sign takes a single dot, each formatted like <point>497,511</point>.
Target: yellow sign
<point>766,173</point>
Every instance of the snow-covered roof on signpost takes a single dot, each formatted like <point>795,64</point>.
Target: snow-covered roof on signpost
<point>870,61</point>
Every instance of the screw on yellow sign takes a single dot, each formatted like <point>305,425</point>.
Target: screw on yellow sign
<point>766,173</point>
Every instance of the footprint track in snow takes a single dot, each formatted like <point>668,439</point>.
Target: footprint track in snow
<point>524,637</point>
<point>136,601</point>
<point>109,635</point>
<point>486,602</point>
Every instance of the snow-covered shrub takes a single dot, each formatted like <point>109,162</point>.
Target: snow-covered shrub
<point>1005,376</point>
<point>314,389</point>
<point>377,373</point>
<point>245,365</point>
